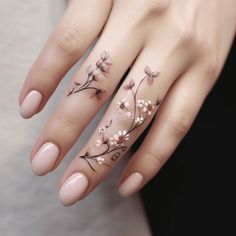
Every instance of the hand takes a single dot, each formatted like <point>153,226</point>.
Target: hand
<point>175,49</point>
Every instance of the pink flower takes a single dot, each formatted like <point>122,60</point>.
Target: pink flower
<point>91,69</point>
<point>105,55</point>
<point>97,75</point>
<point>105,67</point>
<point>102,70</point>
<point>119,138</point>
<point>150,75</point>
<point>123,105</point>
<point>130,85</point>
<point>99,62</point>
<point>148,107</point>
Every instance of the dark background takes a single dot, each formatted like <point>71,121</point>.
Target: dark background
<point>194,194</point>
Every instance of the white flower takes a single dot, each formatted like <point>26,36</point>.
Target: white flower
<point>102,130</point>
<point>124,104</point>
<point>112,141</point>
<point>98,143</point>
<point>139,120</point>
<point>121,134</point>
<point>100,160</point>
<point>119,138</point>
<point>148,107</point>
<point>130,115</point>
<point>140,103</point>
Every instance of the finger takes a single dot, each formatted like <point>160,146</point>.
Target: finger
<point>173,121</point>
<point>90,88</point>
<point>129,113</point>
<point>81,23</point>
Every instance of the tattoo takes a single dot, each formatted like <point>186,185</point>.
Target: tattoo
<point>94,73</point>
<point>137,112</point>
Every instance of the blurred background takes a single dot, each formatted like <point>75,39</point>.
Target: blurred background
<point>193,195</point>
<point>28,204</point>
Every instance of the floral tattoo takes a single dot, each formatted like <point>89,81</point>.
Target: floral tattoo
<point>111,146</point>
<point>94,73</point>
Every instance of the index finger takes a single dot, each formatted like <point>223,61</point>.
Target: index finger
<point>80,25</point>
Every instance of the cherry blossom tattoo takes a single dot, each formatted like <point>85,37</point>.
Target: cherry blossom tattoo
<point>111,146</point>
<point>95,72</point>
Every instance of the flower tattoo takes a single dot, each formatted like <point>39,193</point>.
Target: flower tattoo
<point>111,146</point>
<point>94,73</point>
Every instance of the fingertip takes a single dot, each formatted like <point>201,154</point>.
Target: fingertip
<point>131,185</point>
<point>73,189</point>
<point>31,104</point>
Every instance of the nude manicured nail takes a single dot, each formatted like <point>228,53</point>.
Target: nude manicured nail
<point>31,104</point>
<point>131,184</point>
<point>72,190</point>
<point>45,158</point>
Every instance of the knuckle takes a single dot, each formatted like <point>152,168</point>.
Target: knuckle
<point>190,39</point>
<point>211,69</point>
<point>155,6</point>
<point>154,159</point>
<point>65,125</point>
<point>178,124</point>
<point>198,45</point>
<point>152,8</point>
<point>186,34</point>
<point>210,63</point>
<point>70,40</point>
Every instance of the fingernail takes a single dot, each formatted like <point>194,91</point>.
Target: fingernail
<point>31,104</point>
<point>45,158</point>
<point>72,190</point>
<point>131,184</point>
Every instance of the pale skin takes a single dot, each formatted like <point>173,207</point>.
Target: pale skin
<point>185,45</point>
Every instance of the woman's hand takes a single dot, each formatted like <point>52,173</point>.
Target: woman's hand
<point>175,49</point>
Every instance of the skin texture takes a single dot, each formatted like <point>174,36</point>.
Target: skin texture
<point>184,42</point>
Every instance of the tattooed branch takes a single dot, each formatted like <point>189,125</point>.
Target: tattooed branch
<point>94,73</point>
<point>137,111</point>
